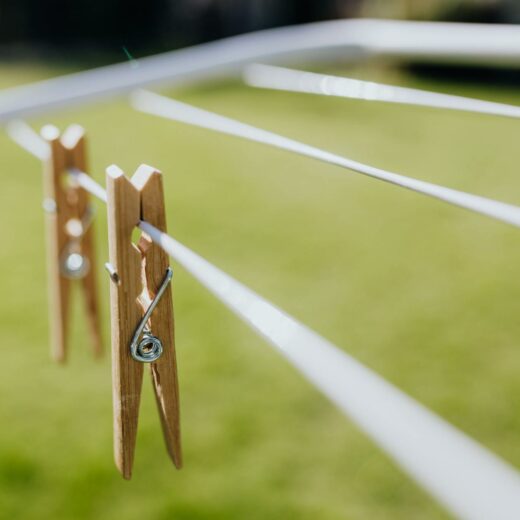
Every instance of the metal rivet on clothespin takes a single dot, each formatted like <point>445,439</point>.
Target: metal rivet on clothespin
<point>141,312</point>
<point>49,205</point>
<point>111,270</point>
<point>70,241</point>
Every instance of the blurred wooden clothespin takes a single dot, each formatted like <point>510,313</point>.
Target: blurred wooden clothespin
<point>70,239</point>
<point>141,303</point>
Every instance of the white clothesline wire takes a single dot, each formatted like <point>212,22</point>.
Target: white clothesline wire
<point>23,135</point>
<point>338,39</point>
<point>281,78</point>
<point>464,476</point>
<point>168,108</point>
<point>467,479</point>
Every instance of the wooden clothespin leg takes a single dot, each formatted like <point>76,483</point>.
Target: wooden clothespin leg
<point>70,239</point>
<point>139,281</point>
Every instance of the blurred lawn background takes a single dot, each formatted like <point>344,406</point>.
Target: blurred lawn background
<point>425,294</point>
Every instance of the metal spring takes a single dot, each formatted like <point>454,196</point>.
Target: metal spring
<point>150,347</point>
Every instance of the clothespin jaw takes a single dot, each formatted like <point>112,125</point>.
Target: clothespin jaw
<point>70,239</point>
<point>138,278</point>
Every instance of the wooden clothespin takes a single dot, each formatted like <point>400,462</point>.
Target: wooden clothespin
<point>140,275</point>
<point>70,238</point>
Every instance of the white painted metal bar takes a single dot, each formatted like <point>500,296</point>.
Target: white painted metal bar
<point>168,108</point>
<point>346,39</point>
<point>281,78</point>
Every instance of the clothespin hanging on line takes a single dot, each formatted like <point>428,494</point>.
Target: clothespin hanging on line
<point>141,303</point>
<point>70,239</point>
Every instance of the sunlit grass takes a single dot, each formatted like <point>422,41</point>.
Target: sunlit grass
<point>426,294</point>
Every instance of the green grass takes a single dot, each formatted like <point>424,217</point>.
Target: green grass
<point>426,294</point>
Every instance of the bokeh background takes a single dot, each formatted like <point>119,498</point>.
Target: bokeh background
<point>99,29</point>
<point>426,294</point>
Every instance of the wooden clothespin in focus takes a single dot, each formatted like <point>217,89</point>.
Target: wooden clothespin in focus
<point>70,239</point>
<point>141,303</point>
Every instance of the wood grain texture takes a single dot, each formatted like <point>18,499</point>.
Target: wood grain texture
<point>74,142</point>
<point>155,262</point>
<point>58,286</point>
<point>123,205</point>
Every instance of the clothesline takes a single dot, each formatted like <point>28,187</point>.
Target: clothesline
<point>168,108</point>
<point>281,78</point>
<point>465,477</point>
<point>338,39</point>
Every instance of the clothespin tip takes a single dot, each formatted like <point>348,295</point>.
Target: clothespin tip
<point>72,135</point>
<point>50,132</point>
<point>114,171</point>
